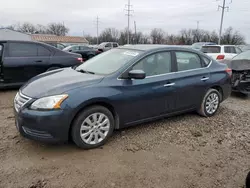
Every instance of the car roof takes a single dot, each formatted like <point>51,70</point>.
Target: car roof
<point>149,47</point>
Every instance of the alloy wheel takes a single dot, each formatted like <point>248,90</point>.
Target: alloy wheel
<point>212,103</point>
<point>95,128</point>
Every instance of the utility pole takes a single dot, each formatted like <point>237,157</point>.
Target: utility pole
<point>97,30</point>
<point>198,22</point>
<point>223,7</point>
<point>135,33</point>
<point>128,10</point>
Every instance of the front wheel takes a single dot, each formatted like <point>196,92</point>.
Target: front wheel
<point>210,103</point>
<point>92,127</point>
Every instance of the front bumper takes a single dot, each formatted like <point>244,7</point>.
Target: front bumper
<point>243,87</point>
<point>45,126</point>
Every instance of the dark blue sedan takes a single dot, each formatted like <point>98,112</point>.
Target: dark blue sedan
<point>119,88</point>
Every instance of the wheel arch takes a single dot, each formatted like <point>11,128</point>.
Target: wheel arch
<point>220,90</point>
<point>103,103</point>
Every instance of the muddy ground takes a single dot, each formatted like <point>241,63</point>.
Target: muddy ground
<point>186,151</point>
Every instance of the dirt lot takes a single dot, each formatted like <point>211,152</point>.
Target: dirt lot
<point>180,152</point>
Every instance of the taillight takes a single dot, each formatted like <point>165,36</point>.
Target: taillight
<point>220,57</point>
<point>80,59</point>
<point>229,71</point>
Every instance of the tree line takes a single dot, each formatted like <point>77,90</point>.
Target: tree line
<point>52,28</point>
<point>159,36</point>
<point>156,36</point>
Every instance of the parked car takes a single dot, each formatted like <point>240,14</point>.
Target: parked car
<point>220,52</point>
<point>57,45</point>
<point>240,66</point>
<point>198,45</point>
<point>22,60</point>
<point>85,51</point>
<point>119,88</point>
<point>107,46</point>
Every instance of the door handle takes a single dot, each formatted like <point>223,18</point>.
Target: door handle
<point>170,84</point>
<point>205,78</point>
<point>39,61</point>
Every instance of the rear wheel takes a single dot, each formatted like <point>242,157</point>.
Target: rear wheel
<point>92,127</point>
<point>210,103</point>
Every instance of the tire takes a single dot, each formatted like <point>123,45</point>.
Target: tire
<point>84,125</point>
<point>212,94</point>
<point>53,68</point>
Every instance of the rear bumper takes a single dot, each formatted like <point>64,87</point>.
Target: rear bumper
<point>243,87</point>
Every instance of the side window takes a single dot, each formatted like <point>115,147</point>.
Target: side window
<point>83,47</point>
<point>187,61</point>
<point>206,61</point>
<point>75,48</point>
<point>229,49</point>
<point>108,45</point>
<point>238,50</point>
<point>42,51</point>
<point>155,64</point>
<point>22,50</point>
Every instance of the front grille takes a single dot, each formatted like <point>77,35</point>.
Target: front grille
<point>20,100</point>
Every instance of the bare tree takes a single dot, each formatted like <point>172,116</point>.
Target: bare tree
<point>186,37</point>
<point>109,35</point>
<point>26,27</point>
<point>57,29</point>
<point>157,36</point>
<point>232,37</point>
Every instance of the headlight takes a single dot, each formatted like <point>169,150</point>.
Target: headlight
<point>48,103</point>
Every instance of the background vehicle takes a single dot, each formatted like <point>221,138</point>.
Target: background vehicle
<point>220,52</point>
<point>107,46</point>
<point>85,51</point>
<point>120,88</point>
<point>22,60</point>
<point>198,45</point>
<point>240,66</point>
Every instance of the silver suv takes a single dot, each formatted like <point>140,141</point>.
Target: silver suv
<point>107,46</point>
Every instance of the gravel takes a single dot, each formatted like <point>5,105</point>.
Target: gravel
<point>184,151</point>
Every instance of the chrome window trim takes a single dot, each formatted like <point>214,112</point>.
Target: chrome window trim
<point>169,73</point>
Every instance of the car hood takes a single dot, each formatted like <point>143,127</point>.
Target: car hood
<point>57,82</point>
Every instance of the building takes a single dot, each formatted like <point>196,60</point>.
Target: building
<point>58,41</point>
<point>8,34</point>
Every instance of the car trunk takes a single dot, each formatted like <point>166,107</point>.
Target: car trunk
<point>212,51</point>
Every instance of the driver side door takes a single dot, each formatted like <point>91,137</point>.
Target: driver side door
<point>153,96</point>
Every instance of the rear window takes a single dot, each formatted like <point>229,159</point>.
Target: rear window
<point>229,49</point>
<point>211,49</point>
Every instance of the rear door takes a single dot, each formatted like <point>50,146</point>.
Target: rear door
<point>191,79</point>
<point>22,61</point>
<point>230,52</point>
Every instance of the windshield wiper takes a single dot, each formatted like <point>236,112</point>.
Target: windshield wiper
<point>84,71</point>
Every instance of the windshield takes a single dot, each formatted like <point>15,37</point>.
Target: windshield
<point>108,62</point>
<point>210,49</point>
<point>243,55</point>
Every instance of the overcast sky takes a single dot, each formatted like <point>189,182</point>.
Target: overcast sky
<point>170,15</point>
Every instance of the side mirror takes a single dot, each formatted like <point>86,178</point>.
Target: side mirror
<point>137,74</point>
<point>70,50</point>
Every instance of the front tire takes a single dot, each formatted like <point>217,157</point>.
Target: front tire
<point>210,103</point>
<point>92,127</point>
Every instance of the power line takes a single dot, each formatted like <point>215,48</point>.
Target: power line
<point>223,7</point>
<point>128,10</point>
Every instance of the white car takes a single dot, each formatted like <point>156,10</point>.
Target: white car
<point>221,52</point>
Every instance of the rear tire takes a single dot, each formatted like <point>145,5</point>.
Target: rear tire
<point>210,103</point>
<point>92,127</point>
